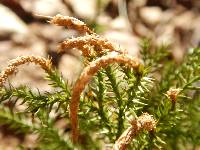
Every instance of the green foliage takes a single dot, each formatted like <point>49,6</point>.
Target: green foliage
<point>16,122</point>
<point>50,139</point>
<point>115,95</point>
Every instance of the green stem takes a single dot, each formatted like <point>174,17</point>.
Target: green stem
<point>115,88</point>
<point>58,82</point>
<point>131,90</point>
<point>100,96</point>
<point>190,82</point>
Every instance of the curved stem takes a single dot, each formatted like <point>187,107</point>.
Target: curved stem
<point>92,40</point>
<point>71,23</point>
<point>10,69</point>
<point>84,79</point>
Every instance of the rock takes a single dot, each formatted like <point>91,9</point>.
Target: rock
<point>31,74</point>
<point>104,20</point>
<point>196,3</point>
<point>151,15</point>
<point>120,23</point>
<point>196,35</point>
<point>30,141</point>
<point>125,40</point>
<point>184,20</point>
<point>70,67</point>
<point>84,8</point>
<point>8,142</point>
<point>139,3</point>
<point>165,34</point>
<point>142,31</point>
<point>45,7</point>
<point>10,23</point>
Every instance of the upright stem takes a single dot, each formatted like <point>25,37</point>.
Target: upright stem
<point>100,96</point>
<point>115,88</point>
<point>131,92</point>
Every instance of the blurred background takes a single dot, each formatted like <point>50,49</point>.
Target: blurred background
<point>171,22</point>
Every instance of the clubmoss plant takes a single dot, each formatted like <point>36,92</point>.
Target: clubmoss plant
<point>118,101</point>
<point>86,76</point>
